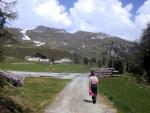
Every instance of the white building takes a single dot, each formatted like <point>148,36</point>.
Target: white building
<point>64,60</point>
<point>37,58</point>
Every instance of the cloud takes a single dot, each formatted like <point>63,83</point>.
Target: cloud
<point>53,12</point>
<point>109,16</point>
<point>143,15</point>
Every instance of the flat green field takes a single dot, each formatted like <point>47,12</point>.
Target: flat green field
<point>35,95</point>
<point>126,94</point>
<point>25,67</point>
<point>74,68</point>
<point>39,67</point>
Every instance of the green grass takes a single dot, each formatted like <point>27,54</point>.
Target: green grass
<point>25,67</point>
<point>126,94</point>
<point>39,67</point>
<point>37,93</point>
<point>71,68</point>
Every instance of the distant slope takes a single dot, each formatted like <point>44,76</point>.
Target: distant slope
<point>86,44</point>
<point>21,52</point>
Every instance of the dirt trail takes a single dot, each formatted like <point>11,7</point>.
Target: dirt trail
<point>75,99</point>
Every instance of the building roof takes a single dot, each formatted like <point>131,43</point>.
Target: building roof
<point>39,56</point>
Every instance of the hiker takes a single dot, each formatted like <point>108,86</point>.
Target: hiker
<point>93,86</point>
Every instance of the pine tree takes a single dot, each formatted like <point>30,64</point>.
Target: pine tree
<point>110,63</point>
<point>76,58</point>
<point>6,13</point>
<point>145,51</point>
<point>2,55</point>
<point>99,63</point>
<point>85,61</point>
<point>118,65</point>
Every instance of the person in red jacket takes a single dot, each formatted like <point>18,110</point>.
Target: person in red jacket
<point>93,86</point>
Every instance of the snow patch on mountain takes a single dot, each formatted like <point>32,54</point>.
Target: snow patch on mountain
<point>39,43</point>
<point>60,31</point>
<point>93,38</point>
<point>101,36</point>
<point>25,37</point>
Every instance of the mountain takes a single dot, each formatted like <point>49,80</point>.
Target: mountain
<point>86,44</point>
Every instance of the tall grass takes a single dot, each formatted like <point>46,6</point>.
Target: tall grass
<point>127,95</point>
<point>37,93</point>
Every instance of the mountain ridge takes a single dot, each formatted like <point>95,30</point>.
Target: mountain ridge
<point>86,44</point>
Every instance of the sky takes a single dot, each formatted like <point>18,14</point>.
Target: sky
<point>122,18</point>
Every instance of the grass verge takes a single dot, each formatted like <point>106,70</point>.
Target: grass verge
<point>36,94</point>
<point>126,94</point>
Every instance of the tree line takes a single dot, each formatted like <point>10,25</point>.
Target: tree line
<point>136,62</point>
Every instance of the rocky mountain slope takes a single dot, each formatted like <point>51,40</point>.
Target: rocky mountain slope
<point>86,44</point>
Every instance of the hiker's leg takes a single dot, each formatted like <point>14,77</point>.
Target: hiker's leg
<point>94,91</point>
<point>94,99</point>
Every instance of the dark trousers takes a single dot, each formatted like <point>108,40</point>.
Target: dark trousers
<point>94,91</point>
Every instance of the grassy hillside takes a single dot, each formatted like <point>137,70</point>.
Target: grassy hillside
<point>86,44</point>
<point>33,97</point>
<point>126,94</point>
<point>22,51</point>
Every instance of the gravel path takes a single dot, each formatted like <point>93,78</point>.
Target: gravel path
<point>47,74</point>
<point>75,99</point>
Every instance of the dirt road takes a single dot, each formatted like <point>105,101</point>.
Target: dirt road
<point>75,99</point>
<point>45,74</point>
